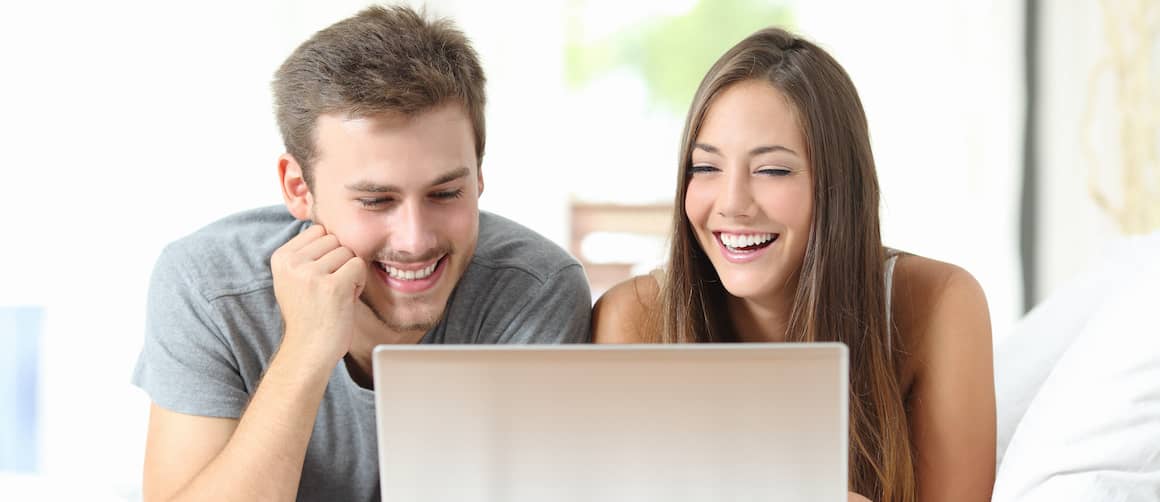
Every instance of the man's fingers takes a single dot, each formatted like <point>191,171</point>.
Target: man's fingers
<point>334,259</point>
<point>355,272</point>
<point>318,247</point>
<point>305,237</point>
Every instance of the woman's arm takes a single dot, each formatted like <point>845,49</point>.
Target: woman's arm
<point>951,403</point>
<point>620,314</point>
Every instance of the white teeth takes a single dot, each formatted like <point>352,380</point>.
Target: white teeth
<point>735,241</point>
<point>410,275</point>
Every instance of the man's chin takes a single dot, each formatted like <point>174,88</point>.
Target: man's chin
<point>411,315</point>
<point>411,324</point>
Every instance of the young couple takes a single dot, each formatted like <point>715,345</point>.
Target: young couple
<point>260,326</point>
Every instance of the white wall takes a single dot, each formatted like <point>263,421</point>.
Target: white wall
<point>127,125</point>
<point>941,83</point>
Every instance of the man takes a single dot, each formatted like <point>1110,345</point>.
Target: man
<point>260,327</point>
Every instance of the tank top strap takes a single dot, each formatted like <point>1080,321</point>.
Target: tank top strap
<point>658,274</point>
<point>888,273</point>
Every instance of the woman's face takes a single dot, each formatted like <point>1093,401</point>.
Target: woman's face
<point>750,194</point>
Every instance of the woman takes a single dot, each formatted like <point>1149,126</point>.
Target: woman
<point>776,239</point>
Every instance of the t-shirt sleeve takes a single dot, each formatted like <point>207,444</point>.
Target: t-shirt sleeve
<point>185,364</point>
<point>560,311</point>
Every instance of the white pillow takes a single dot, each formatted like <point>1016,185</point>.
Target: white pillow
<point>1025,358</point>
<point>1091,432</point>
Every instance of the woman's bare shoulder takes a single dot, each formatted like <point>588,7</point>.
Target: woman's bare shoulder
<point>933,300</point>
<point>623,313</point>
<point>923,285</point>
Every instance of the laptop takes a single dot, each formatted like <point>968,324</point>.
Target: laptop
<point>705,422</point>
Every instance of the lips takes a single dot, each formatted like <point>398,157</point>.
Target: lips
<point>743,247</point>
<point>412,277</point>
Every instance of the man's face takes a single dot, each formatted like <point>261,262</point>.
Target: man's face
<point>403,194</point>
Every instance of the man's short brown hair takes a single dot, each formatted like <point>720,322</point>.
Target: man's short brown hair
<point>382,60</point>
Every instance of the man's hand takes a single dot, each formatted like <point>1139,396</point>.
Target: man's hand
<point>317,282</point>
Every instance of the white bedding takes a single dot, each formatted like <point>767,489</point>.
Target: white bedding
<point>1078,387</point>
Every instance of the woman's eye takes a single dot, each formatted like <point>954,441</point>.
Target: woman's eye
<point>701,169</point>
<point>774,171</point>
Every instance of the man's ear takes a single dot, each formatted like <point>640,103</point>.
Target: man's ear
<point>295,192</point>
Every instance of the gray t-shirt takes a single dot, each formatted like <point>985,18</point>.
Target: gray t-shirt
<point>212,325</point>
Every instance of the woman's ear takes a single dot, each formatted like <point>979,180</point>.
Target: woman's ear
<point>295,191</point>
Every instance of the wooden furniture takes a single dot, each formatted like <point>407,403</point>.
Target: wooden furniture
<point>638,219</point>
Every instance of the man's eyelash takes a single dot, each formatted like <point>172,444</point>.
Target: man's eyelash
<point>371,203</point>
<point>449,194</point>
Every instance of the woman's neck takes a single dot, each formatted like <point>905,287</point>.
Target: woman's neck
<point>760,320</point>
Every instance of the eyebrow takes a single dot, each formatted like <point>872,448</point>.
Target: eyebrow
<point>752,153</point>
<point>372,187</point>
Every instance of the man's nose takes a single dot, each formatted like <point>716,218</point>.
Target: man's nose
<point>410,231</point>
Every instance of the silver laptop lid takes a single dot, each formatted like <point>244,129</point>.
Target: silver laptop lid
<point>612,422</point>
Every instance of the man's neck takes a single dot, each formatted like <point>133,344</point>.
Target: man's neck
<point>358,360</point>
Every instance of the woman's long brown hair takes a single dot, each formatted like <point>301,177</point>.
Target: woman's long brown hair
<point>840,293</point>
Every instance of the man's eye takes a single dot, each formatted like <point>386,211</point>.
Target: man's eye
<point>373,202</point>
<point>448,194</point>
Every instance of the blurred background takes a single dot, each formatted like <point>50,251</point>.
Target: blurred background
<point>1017,139</point>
